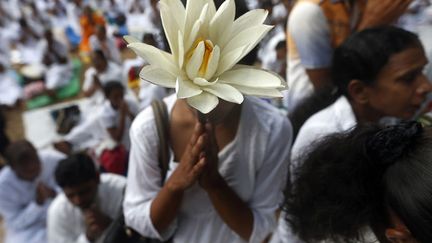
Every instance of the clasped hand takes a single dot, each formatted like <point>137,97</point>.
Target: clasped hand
<point>199,162</point>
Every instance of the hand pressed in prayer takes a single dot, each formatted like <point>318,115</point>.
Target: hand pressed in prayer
<point>210,177</point>
<point>192,162</point>
<point>43,192</point>
<point>96,222</point>
<point>382,12</point>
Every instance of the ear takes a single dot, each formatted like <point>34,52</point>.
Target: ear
<point>358,91</point>
<point>396,235</point>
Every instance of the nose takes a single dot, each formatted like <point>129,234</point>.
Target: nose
<point>77,201</point>
<point>425,85</point>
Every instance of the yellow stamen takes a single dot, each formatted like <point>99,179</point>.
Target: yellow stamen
<point>208,50</point>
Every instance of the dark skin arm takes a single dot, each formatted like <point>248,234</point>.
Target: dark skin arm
<point>382,12</point>
<point>230,207</point>
<point>165,206</point>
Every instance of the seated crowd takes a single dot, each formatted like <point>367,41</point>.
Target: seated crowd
<point>342,157</point>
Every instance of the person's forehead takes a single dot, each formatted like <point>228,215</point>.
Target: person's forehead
<point>411,58</point>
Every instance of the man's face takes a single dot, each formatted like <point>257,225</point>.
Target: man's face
<point>82,195</point>
<point>116,98</point>
<point>29,168</point>
<point>401,87</point>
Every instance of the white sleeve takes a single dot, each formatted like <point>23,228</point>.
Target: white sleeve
<point>88,79</point>
<point>311,33</point>
<point>60,229</point>
<point>144,177</point>
<point>19,217</point>
<point>271,181</point>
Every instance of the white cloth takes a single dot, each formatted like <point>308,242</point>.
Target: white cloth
<point>25,220</point>
<point>58,75</point>
<point>10,91</point>
<point>254,165</point>
<point>113,72</point>
<point>66,222</point>
<point>338,117</point>
<point>112,53</point>
<point>308,26</point>
<point>110,118</point>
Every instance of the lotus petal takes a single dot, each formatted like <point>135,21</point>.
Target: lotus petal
<point>173,16</point>
<point>221,24</point>
<point>212,63</point>
<point>155,57</point>
<point>260,92</point>
<point>252,77</point>
<point>193,12</point>
<point>194,63</point>
<point>204,102</point>
<point>186,89</point>
<point>225,92</point>
<point>203,82</point>
<point>252,18</point>
<point>158,76</point>
<point>130,39</point>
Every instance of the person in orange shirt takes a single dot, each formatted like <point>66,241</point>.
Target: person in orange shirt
<point>89,21</point>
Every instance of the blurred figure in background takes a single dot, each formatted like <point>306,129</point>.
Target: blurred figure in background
<point>27,188</point>
<point>88,204</point>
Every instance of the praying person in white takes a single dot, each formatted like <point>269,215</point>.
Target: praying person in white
<point>88,204</point>
<point>26,191</point>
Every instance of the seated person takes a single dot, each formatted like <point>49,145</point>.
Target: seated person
<point>59,69</point>
<point>100,41</point>
<point>118,113</point>
<point>369,177</point>
<point>107,128</point>
<point>377,79</point>
<point>101,72</point>
<point>379,73</point>
<point>88,204</point>
<point>27,187</point>
<point>10,91</point>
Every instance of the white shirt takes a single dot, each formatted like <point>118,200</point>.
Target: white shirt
<point>254,165</point>
<point>66,222</point>
<point>338,117</point>
<point>25,220</point>
<point>10,91</point>
<point>110,118</point>
<point>309,29</point>
<point>113,72</point>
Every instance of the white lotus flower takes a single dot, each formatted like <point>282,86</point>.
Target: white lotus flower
<point>206,45</point>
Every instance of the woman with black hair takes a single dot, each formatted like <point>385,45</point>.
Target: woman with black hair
<point>368,177</point>
<point>379,73</point>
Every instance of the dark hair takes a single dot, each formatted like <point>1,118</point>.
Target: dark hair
<point>350,180</point>
<point>281,44</point>
<point>75,170</point>
<point>19,152</point>
<point>100,54</point>
<point>110,86</point>
<point>365,53</point>
<point>4,139</point>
